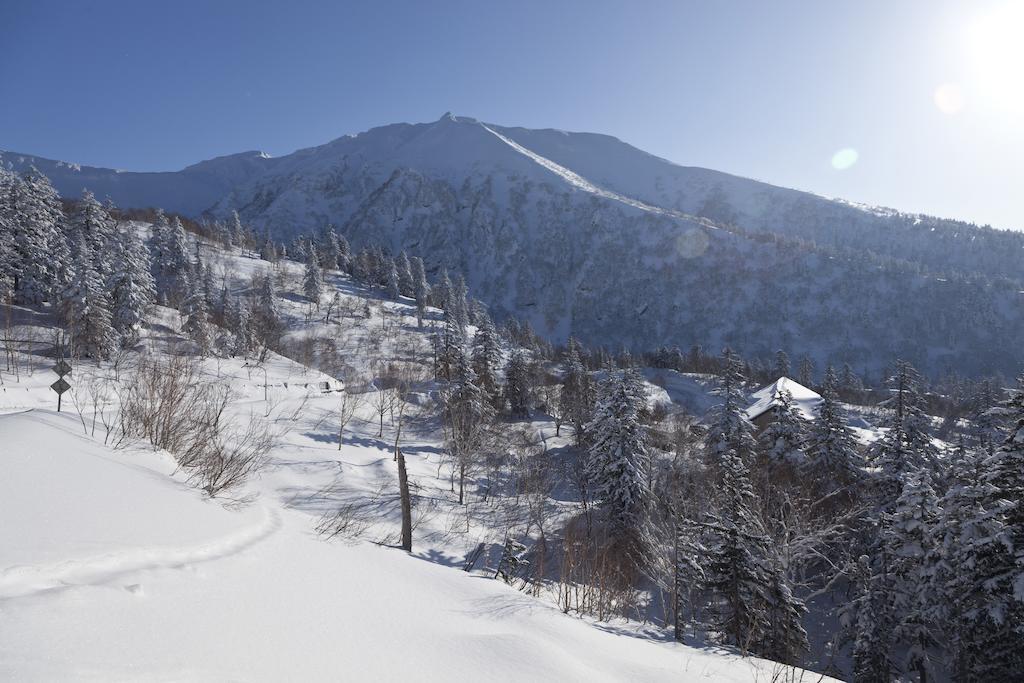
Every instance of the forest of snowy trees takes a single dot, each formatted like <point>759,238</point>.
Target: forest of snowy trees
<point>913,541</point>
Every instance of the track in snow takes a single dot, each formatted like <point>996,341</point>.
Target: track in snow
<point>21,580</point>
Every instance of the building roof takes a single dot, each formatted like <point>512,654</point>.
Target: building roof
<point>805,400</point>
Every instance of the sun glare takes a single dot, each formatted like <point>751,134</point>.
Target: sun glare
<point>996,41</point>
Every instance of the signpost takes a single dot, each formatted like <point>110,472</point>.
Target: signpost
<point>62,368</point>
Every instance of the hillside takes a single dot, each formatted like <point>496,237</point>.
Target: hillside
<point>113,567</point>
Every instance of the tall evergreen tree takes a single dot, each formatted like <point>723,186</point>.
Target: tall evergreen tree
<point>619,458</point>
<point>519,384</point>
<point>131,286</point>
<point>86,308</point>
<point>833,460</point>
<point>393,284</point>
<point>487,360</point>
<point>782,367</point>
<point>405,281</point>
<point>421,290</point>
<point>909,538</point>
<point>729,429</point>
<point>313,278</point>
<point>755,607</point>
<point>91,223</point>
<point>906,445</point>
<point>35,216</point>
<point>578,395</point>
<point>197,323</point>
<point>783,440</point>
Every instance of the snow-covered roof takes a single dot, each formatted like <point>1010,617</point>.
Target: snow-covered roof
<point>806,400</point>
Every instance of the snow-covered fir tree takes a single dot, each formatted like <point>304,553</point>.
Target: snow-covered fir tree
<point>458,301</point>
<point>782,366</point>
<point>873,630</point>
<point>908,535</point>
<point>197,322</point>
<point>393,286</point>
<point>34,217</point>
<point>86,308</point>
<point>449,349</point>
<point>755,608</point>
<point>313,277</point>
<point>578,394</point>
<point>131,286</point>
<point>805,371</point>
<point>783,440</point>
<point>404,267</point>
<point>421,290</point>
<point>487,360</point>
<point>518,384</point>
<point>833,459</point>
<point>728,428</point>
<point>173,270</point>
<point>906,445</point>
<point>267,324</point>
<point>618,458</point>
<point>92,224</point>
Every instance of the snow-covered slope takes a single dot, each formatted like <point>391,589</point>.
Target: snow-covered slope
<point>111,569</point>
<point>583,234</point>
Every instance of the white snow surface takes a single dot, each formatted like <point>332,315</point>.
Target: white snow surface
<point>113,569</point>
<point>110,569</point>
<point>805,400</point>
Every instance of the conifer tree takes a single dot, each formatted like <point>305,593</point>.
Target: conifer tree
<point>755,607</point>
<point>729,428</point>
<point>91,223</point>
<point>268,326</point>
<point>783,440</point>
<point>131,286</point>
<point>197,324</point>
<point>618,458</point>
<point>487,361</point>
<point>909,540</point>
<point>833,460</point>
<point>313,278</point>
<point>35,216</point>
<point>806,371</point>
<point>344,254</point>
<point>393,285</point>
<point>86,308</point>
<point>449,349</point>
<point>174,268</point>
<point>782,367</point>
<point>906,445</point>
<point>518,385</point>
<point>458,302</point>
<point>421,290</point>
<point>441,292</point>
<point>405,281</point>
<point>578,395</point>
<point>872,662</point>
<point>989,581</point>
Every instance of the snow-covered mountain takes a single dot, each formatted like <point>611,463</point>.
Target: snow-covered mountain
<point>583,234</point>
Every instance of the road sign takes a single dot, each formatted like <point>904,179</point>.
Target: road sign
<point>62,368</point>
<point>60,386</point>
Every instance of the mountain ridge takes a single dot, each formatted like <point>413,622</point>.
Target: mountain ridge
<point>583,234</point>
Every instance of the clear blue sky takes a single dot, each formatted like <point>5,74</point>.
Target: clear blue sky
<point>770,90</point>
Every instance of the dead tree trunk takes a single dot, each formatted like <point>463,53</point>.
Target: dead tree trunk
<point>403,488</point>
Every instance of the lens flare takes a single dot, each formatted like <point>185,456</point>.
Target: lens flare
<point>949,98</point>
<point>692,243</point>
<point>844,158</point>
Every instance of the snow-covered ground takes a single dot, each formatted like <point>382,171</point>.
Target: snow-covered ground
<point>113,568</point>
